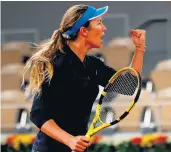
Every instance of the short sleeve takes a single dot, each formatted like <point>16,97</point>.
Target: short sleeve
<point>40,113</point>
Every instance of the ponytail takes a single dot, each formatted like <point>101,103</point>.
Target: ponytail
<point>40,64</point>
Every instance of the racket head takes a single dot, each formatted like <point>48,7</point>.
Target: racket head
<point>124,86</point>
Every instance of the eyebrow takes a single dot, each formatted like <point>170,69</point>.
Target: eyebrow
<point>99,20</point>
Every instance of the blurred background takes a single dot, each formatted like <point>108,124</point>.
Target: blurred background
<point>148,127</point>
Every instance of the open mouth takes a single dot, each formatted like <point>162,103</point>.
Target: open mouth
<point>101,38</point>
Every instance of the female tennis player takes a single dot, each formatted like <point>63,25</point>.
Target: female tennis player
<point>64,79</point>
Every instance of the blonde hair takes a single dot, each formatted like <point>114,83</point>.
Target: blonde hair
<point>40,65</point>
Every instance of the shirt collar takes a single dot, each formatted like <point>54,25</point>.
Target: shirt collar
<point>78,66</point>
<point>75,59</point>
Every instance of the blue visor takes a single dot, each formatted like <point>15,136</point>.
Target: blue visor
<point>90,14</point>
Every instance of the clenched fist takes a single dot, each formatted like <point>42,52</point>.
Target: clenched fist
<point>139,36</point>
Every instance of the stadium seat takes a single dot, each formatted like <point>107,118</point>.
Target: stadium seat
<point>15,52</point>
<point>9,81</point>
<point>163,97</point>
<point>10,56</point>
<point>11,102</point>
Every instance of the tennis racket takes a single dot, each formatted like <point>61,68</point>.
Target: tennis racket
<point>123,85</point>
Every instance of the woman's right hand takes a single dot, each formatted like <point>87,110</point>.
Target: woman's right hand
<point>78,143</point>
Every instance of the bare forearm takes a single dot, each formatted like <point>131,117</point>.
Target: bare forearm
<point>53,130</point>
<point>137,60</point>
<point>77,143</point>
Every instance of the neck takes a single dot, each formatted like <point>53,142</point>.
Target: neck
<point>79,48</point>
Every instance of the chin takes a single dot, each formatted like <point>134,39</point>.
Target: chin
<point>100,46</point>
<point>97,46</point>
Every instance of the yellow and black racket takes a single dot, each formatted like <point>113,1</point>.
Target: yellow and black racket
<point>123,85</point>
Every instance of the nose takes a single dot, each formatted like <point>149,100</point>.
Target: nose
<point>104,28</point>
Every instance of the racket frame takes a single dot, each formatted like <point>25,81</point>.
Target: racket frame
<point>92,129</point>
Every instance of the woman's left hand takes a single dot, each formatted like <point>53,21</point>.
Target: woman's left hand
<point>138,37</point>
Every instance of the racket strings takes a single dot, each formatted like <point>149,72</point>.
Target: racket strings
<point>124,86</point>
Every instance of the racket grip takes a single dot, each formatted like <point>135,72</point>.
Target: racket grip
<point>87,137</point>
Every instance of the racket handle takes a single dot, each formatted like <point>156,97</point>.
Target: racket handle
<point>87,137</point>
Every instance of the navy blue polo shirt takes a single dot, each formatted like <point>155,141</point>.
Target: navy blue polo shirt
<point>69,97</point>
